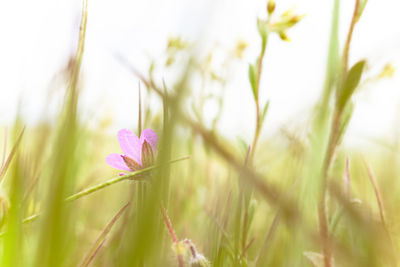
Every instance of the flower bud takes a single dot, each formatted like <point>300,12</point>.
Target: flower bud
<point>147,154</point>
<point>271,6</point>
<point>295,19</point>
<point>196,259</point>
<point>131,163</point>
<point>284,37</point>
<point>179,248</point>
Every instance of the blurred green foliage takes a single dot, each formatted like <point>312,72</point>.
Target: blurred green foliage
<point>228,205</point>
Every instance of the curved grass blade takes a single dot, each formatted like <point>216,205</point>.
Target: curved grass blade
<point>10,156</point>
<point>3,158</point>
<point>102,237</point>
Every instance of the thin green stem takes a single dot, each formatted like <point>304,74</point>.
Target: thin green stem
<point>109,182</point>
<point>257,132</point>
<point>257,101</point>
<point>130,176</point>
<point>171,231</point>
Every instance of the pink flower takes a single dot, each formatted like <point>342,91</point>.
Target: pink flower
<point>139,153</point>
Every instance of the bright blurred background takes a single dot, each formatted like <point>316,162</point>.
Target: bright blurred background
<point>39,37</point>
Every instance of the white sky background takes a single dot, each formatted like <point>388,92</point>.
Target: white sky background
<point>38,37</point>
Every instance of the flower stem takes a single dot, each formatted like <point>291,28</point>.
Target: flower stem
<point>257,102</point>
<point>346,50</point>
<point>111,181</point>
<point>130,176</point>
<point>172,233</point>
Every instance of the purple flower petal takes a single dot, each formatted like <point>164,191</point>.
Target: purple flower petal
<point>116,161</point>
<point>150,137</point>
<point>130,144</point>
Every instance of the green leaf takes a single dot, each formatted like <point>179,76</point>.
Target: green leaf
<point>344,122</point>
<point>350,84</point>
<point>242,145</point>
<point>253,80</point>
<point>252,211</point>
<point>264,112</point>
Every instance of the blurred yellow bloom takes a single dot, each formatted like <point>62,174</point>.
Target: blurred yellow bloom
<point>241,46</point>
<point>387,71</point>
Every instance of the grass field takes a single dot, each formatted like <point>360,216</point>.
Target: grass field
<point>197,198</point>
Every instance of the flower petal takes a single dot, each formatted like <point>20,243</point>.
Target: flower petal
<point>151,138</point>
<point>116,161</point>
<point>130,144</point>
